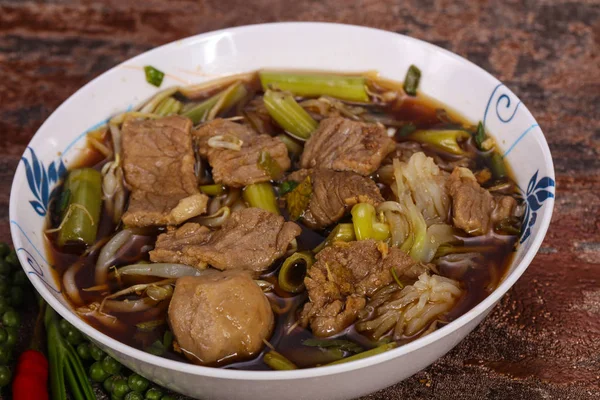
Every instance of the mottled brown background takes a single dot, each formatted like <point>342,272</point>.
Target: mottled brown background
<point>543,340</point>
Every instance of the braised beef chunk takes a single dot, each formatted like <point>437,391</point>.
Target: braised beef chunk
<point>474,209</point>
<point>251,239</point>
<point>158,161</point>
<point>345,145</point>
<point>238,168</point>
<point>220,316</point>
<point>344,275</point>
<point>334,193</point>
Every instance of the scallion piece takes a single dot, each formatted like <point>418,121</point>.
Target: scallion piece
<point>366,225</point>
<point>212,190</point>
<point>350,88</point>
<point>377,350</point>
<point>341,233</point>
<point>345,345</point>
<point>278,362</point>
<point>479,135</point>
<point>497,166</point>
<point>446,140</point>
<point>223,100</point>
<point>284,109</point>
<point>261,195</point>
<point>293,147</point>
<point>406,130</point>
<point>292,272</point>
<point>153,76</point>
<point>411,81</point>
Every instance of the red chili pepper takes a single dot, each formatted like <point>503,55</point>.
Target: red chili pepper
<point>31,377</point>
<point>30,380</point>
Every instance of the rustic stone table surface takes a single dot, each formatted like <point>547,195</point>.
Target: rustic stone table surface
<point>543,340</point>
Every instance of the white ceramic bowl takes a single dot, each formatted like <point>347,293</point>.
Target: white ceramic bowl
<point>445,76</point>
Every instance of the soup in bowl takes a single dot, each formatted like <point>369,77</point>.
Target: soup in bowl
<point>214,211</point>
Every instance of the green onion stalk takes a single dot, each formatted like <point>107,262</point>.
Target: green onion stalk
<point>82,197</point>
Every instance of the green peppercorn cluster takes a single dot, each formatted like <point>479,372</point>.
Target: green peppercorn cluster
<point>13,284</point>
<point>118,382</point>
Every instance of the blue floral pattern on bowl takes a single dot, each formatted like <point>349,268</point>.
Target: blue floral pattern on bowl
<point>41,181</point>
<point>537,193</point>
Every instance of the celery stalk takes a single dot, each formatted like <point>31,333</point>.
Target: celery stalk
<point>261,195</point>
<point>223,100</point>
<point>351,88</point>
<point>289,114</point>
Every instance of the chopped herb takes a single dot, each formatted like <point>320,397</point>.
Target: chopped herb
<point>287,187</point>
<point>297,199</point>
<point>153,76</point>
<point>510,226</point>
<point>149,326</point>
<point>269,165</point>
<point>479,135</point>
<point>345,345</point>
<point>497,166</point>
<point>156,348</point>
<point>411,81</point>
<point>406,130</point>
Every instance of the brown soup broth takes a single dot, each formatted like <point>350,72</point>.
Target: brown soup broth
<point>287,338</point>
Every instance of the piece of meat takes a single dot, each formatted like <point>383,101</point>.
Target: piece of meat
<point>344,275</point>
<point>345,145</point>
<point>220,317</point>
<point>251,239</point>
<point>239,168</point>
<point>158,162</point>
<point>474,209</point>
<point>334,193</point>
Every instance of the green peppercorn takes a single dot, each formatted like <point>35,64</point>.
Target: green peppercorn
<point>153,394</point>
<point>73,336</point>
<point>11,319</point>
<point>83,350</point>
<point>109,382</point>
<point>97,374</point>
<point>16,296</point>
<point>5,267</point>
<point>19,278</point>
<point>13,336</point>
<point>134,396</point>
<point>167,397</point>
<point>138,383</point>
<point>96,353</point>
<point>4,287</point>
<point>64,327</point>
<point>5,353</point>
<point>3,335</point>
<point>12,258</point>
<point>5,376</point>
<point>4,249</point>
<point>120,388</point>
<point>3,305</point>
<point>111,365</point>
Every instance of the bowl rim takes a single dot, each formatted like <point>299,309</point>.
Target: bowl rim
<point>224,373</point>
